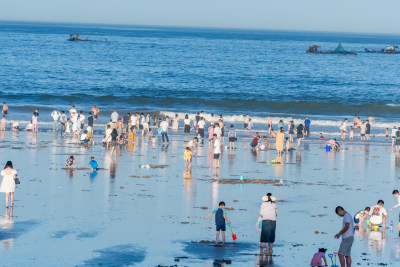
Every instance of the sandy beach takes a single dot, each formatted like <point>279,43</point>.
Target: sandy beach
<point>129,215</point>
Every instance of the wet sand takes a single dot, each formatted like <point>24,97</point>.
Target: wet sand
<point>129,215</point>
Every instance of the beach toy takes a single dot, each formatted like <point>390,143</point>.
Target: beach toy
<point>241,178</point>
<point>260,224</point>
<point>375,227</point>
<point>328,148</point>
<point>335,254</point>
<point>368,222</point>
<point>281,181</point>
<point>233,235</point>
<point>331,256</point>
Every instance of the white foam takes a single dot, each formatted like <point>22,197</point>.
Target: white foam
<point>275,120</point>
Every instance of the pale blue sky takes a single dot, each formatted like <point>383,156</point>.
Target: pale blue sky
<point>367,16</point>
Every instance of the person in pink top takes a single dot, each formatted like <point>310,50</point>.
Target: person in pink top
<point>210,135</point>
<point>317,258</point>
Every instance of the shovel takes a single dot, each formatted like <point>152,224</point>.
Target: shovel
<point>233,235</point>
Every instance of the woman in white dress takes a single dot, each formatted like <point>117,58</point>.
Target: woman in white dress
<point>175,123</point>
<point>8,176</point>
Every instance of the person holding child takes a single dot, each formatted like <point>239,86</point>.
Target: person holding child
<point>268,214</point>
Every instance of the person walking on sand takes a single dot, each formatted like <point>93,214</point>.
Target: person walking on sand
<point>397,196</point>
<point>114,142</point>
<point>220,218</point>
<point>368,130</point>
<point>164,130</point>
<point>8,176</point>
<point>279,141</point>
<point>268,215</point>
<point>63,121</point>
<point>269,125</point>
<point>347,234</point>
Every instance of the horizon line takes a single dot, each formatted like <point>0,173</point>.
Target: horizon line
<point>200,27</point>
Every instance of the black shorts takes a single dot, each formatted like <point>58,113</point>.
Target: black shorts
<point>95,116</point>
<point>253,145</point>
<point>362,134</point>
<point>397,142</point>
<point>291,132</point>
<point>299,136</point>
<point>232,139</point>
<point>5,112</point>
<point>216,156</point>
<point>245,125</point>
<point>141,126</point>
<point>221,227</point>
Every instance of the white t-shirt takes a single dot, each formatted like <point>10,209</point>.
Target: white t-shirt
<point>398,201</point>
<point>15,125</point>
<point>377,213</point>
<point>83,137</point>
<point>394,132</point>
<point>186,121</point>
<point>114,116</point>
<point>348,219</point>
<point>34,119</point>
<point>55,115</point>
<point>217,147</point>
<point>164,126</point>
<point>82,118</point>
<point>201,124</point>
<point>108,132</point>
<point>133,120</point>
<point>143,120</point>
<point>217,131</point>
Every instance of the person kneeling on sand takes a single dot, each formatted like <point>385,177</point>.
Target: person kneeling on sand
<point>84,138</point>
<point>362,216</point>
<point>70,162</point>
<point>379,214</point>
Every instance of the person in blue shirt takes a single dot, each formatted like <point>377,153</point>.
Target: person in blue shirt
<point>220,217</point>
<point>307,123</point>
<point>93,164</point>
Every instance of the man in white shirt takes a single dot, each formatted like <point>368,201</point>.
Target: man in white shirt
<point>201,125</point>
<point>217,151</point>
<point>347,234</point>
<point>73,114</point>
<point>164,130</point>
<point>133,121</point>
<point>378,214</point>
<point>55,115</point>
<point>108,133</point>
<point>114,116</point>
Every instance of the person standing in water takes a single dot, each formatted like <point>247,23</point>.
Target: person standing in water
<point>269,125</point>
<point>268,214</point>
<point>307,123</point>
<point>164,130</point>
<point>343,129</point>
<point>246,121</point>
<point>63,121</point>
<point>4,111</point>
<point>232,138</point>
<point>279,141</point>
<point>55,115</point>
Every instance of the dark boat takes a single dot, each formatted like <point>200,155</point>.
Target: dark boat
<point>339,50</point>
<point>391,49</point>
<point>75,38</point>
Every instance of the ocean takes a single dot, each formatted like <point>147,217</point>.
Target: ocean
<point>167,70</point>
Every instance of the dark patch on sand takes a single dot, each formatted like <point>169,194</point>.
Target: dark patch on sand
<point>87,235</point>
<point>15,229</point>
<point>248,181</point>
<point>120,255</point>
<point>61,234</point>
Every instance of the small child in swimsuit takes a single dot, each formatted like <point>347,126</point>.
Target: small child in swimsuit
<point>188,157</point>
<point>317,258</point>
<point>321,136</point>
<point>351,136</point>
<point>93,164</point>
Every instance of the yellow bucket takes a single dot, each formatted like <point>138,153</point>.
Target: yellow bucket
<point>375,227</point>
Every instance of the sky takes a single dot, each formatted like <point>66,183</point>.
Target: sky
<point>364,16</point>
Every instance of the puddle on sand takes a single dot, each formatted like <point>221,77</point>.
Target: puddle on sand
<point>120,255</point>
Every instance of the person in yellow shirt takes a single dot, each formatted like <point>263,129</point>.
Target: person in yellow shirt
<point>188,157</point>
<point>131,136</point>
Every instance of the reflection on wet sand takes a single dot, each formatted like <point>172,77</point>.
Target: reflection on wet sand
<point>7,225</point>
<point>264,260</point>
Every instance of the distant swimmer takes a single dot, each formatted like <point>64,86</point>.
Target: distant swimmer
<point>5,109</point>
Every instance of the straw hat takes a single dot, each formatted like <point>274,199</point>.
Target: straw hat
<point>265,198</point>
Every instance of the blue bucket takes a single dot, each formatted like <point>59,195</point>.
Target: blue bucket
<point>328,148</point>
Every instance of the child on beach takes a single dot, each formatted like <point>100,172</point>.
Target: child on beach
<point>3,124</point>
<point>321,137</point>
<point>220,217</point>
<point>250,124</point>
<point>351,135</point>
<point>93,164</point>
<point>386,134</point>
<point>317,258</point>
<point>188,157</point>
<point>361,216</point>
<point>397,196</point>
<point>67,128</point>
<point>70,162</point>
<point>210,135</point>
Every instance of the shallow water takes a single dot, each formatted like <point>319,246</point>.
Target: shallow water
<point>128,215</point>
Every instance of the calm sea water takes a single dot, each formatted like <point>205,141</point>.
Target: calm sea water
<point>232,72</point>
